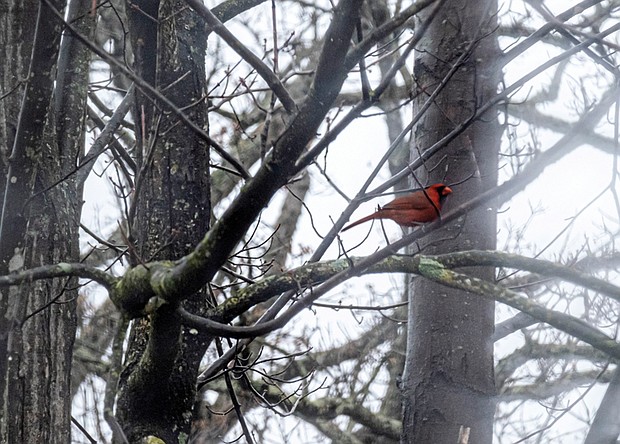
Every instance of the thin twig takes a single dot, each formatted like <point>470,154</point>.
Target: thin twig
<point>263,70</point>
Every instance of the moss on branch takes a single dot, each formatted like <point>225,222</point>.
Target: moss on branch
<point>149,286</point>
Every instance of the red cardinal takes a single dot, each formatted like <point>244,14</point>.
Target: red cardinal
<point>411,210</point>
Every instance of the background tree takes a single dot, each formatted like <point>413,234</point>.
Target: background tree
<point>448,382</point>
<point>203,244</point>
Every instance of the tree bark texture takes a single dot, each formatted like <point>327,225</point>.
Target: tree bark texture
<point>43,127</point>
<point>448,380</point>
<point>157,386</point>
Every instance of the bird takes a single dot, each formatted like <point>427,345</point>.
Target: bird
<point>413,209</point>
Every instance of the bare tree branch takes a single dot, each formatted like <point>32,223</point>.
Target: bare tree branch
<point>267,74</point>
<point>62,269</point>
<point>434,270</point>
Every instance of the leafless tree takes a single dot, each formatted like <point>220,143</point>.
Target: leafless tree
<point>177,178</point>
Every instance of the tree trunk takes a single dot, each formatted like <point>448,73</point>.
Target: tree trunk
<point>40,220</point>
<point>158,384</point>
<point>448,382</point>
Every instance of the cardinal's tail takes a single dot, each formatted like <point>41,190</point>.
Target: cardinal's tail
<point>361,221</point>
